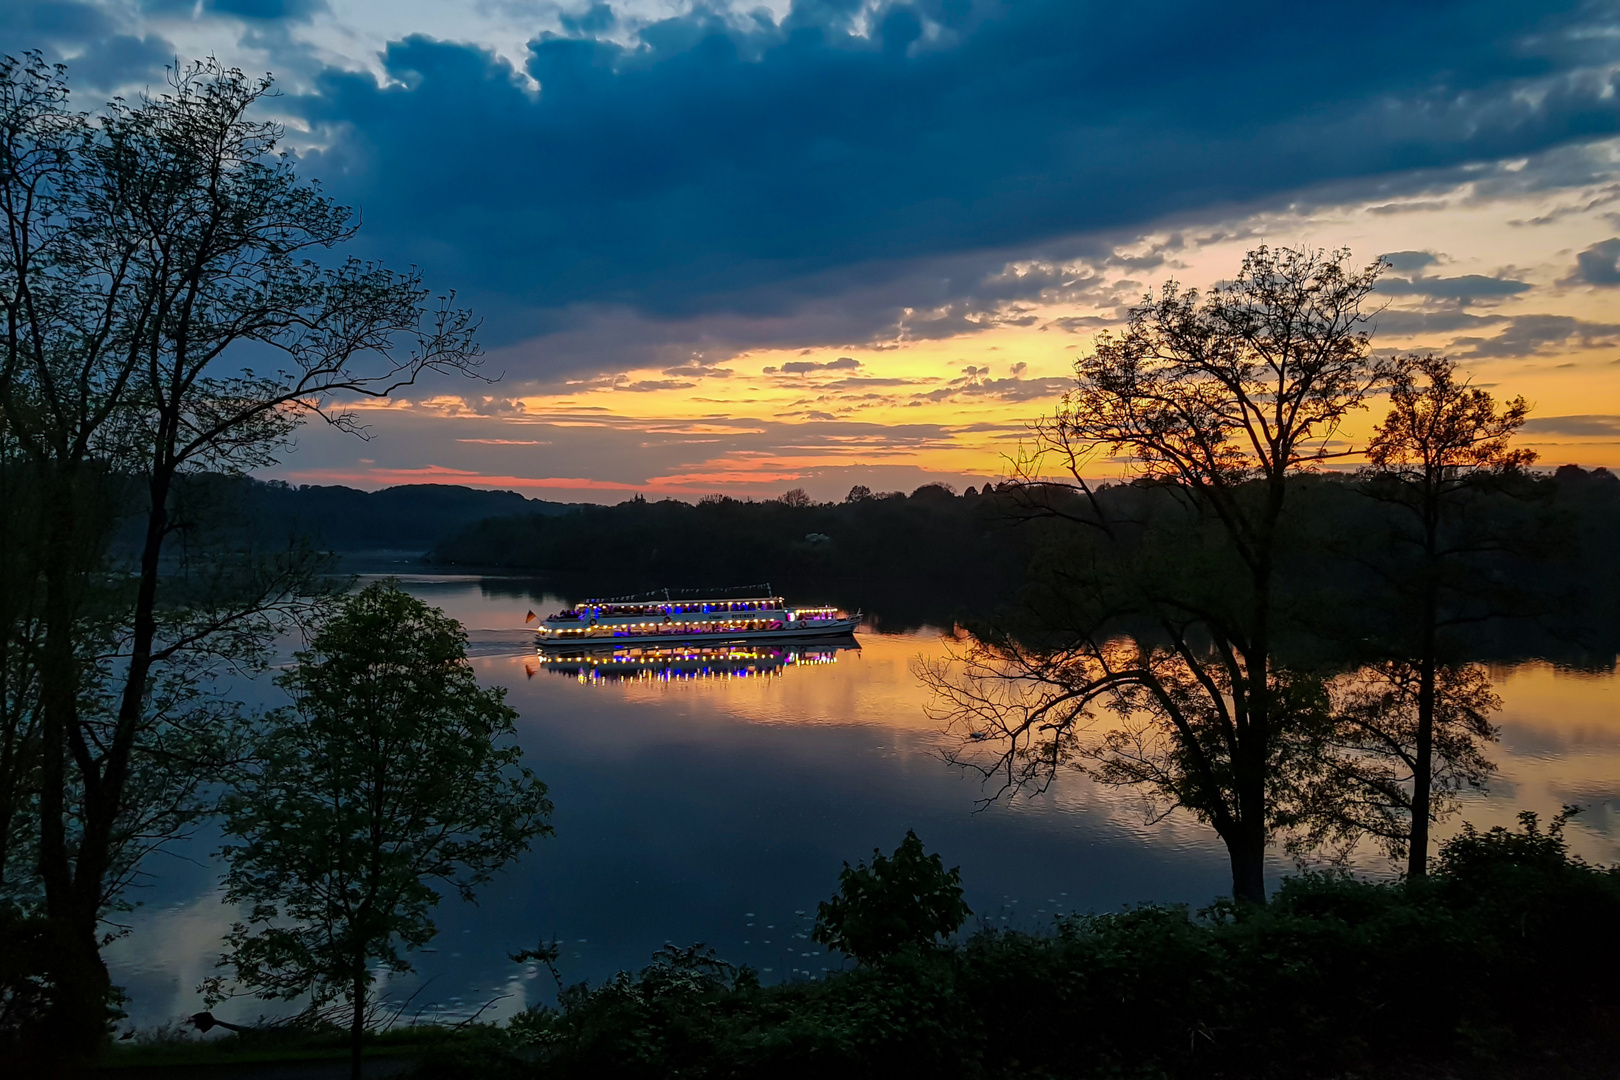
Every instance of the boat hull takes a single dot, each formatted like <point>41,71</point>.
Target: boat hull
<point>598,636</point>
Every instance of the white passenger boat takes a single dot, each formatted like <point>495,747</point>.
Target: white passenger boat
<point>650,620</point>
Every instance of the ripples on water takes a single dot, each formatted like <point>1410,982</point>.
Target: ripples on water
<point>711,796</point>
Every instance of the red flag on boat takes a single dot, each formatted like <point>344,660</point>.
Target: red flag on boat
<point>529,618</point>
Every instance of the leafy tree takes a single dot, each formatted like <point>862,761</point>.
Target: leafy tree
<point>905,900</point>
<point>1442,441</point>
<point>148,251</point>
<point>393,773</point>
<point>1218,401</point>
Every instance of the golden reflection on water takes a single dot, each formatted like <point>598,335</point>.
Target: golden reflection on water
<point>1560,744</point>
<point>870,685</point>
<point>1560,728</point>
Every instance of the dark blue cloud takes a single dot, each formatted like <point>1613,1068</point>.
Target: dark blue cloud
<point>291,10</point>
<point>722,166</point>
<point>597,19</point>
<point>40,24</point>
<point>256,10</point>
<point>1599,264</point>
<point>1405,261</point>
<point>1464,288</point>
<point>713,166</point>
<point>106,59</point>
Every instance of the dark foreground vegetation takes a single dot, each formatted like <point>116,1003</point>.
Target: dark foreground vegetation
<point>1497,964</point>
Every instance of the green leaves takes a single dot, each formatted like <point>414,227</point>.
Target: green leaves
<point>393,775</point>
<point>905,900</point>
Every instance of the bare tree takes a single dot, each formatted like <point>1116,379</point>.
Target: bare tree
<point>169,307</point>
<point>1216,402</point>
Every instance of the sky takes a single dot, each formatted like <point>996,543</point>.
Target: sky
<point>742,248</point>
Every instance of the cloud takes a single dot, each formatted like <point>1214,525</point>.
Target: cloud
<point>976,382</point>
<point>1411,207</point>
<point>621,452</point>
<point>1598,264</point>
<point>647,386</point>
<point>1589,424</point>
<point>267,10</point>
<point>805,367</point>
<point>596,19</point>
<point>1465,289</point>
<point>717,164</point>
<point>1399,322</point>
<point>1406,261</point>
<point>292,11</point>
<point>640,187</point>
<point>1529,335</point>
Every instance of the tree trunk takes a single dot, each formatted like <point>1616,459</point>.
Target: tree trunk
<point>357,1026</point>
<point>76,1022</point>
<point>1417,855</point>
<point>1423,764</point>
<point>1246,847</point>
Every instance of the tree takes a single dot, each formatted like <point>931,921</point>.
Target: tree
<point>1442,441</point>
<point>148,252</point>
<point>394,771</point>
<point>796,498</point>
<point>905,900</point>
<point>1365,780</point>
<point>1217,402</point>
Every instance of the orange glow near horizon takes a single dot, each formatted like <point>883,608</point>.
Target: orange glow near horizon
<point>910,407</point>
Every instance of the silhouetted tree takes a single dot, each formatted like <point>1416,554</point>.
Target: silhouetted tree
<point>395,771</point>
<point>143,248</point>
<point>1442,441</point>
<point>1219,400</point>
<point>1366,774</point>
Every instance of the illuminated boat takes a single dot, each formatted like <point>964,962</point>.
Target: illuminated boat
<point>683,663</point>
<point>663,619</point>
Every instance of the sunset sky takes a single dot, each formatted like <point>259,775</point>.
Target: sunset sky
<point>741,248</point>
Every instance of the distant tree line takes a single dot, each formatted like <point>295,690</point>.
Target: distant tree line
<point>933,555</point>
<point>909,558</point>
<point>407,518</point>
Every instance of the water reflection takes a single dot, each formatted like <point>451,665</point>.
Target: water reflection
<point>721,808</point>
<point>685,663</point>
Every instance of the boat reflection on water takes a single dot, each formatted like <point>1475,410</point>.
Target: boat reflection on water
<point>679,663</point>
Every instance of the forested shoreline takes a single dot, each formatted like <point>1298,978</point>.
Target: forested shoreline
<point>934,556</point>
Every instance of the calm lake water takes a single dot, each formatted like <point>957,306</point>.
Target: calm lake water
<point>720,809</point>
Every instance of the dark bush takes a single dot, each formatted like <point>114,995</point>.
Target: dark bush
<point>1499,964</point>
<point>907,900</point>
